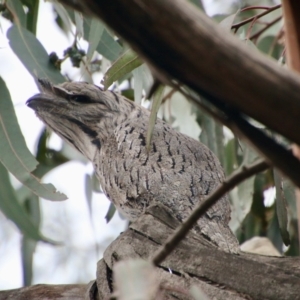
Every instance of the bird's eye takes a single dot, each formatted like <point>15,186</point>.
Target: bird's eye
<point>80,98</point>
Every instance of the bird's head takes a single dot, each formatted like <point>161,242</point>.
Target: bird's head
<point>78,112</point>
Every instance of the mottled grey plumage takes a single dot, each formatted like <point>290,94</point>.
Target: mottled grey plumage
<point>110,131</point>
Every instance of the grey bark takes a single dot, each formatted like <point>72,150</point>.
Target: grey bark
<point>221,275</point>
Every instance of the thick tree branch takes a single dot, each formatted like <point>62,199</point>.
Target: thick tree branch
<point>219,274</point>
<point>198,53</point>
<point>46,291</point>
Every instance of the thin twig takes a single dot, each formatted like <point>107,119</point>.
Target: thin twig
<point>257,34</point>
<point>233,180</point>
<point>238,25</point>
<point>255,7</point>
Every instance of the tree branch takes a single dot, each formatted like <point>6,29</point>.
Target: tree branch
<point>228,71</point>
<point>268,10</point>
<point>232,181</point>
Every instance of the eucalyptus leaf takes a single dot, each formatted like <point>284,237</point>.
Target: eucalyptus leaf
<point>211,134</point>
<point>156,102</point>
<point>17,10</point>
<point>28,246</point>
<point>62,12</point>
<point>32,15</point>
<point>108,46</point>
<point>197,3</point>
<point>228,21</point>
<point>32,54</point>
<point>14,211</point>
<point>123,65</point>
<point>88,192</point>
<point>79,24</point>
<point>14,153</point>
<point>281,208</point>
<point>138,84</point>
<point>110,213</point>
<point>95,34</point>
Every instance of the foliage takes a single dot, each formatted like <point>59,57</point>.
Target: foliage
<point>252,216</point>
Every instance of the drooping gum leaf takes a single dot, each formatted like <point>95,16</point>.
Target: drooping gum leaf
<point>95,34</point>
<point>107,46</point>
<point>62,12</point>
<point>281,208</point>
<point>16,8</point>
<point>110,213</point>
<point>27,251</point>
<point>153,115</point>
<point>123,65</point>
<point>9,123</point>
<point>79,24</point>
<point>14,153</point>
<point>32,54</point>
<point>138,84</point>
<point>32,16</point>
<point>228,21</point>
<point>13,210</point>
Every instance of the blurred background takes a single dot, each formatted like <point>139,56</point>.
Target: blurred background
<point>85,224</point>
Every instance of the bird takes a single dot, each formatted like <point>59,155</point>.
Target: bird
<point>110,130</point>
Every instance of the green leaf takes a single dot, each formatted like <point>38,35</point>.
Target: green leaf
<point>96,184</point>
<point>14,153</point>
<point>158,96</point>
<point>63,14</point>
<point>32,15</point>
<point>197,3</point>
<point>28,246</point>
<point>17,10</point>
<point>230,162</point>
<point>32,54</point>
<point>211,134</point>
<point>79,24</point>
<point>123,65</point>
<point>228,21</point>
<point>9,123</point>
<point>110,213</point>
<point>270,46</point>
<point>108,46</point>
<point>88,192</point>
<point>281,208</point>
<point>95,34</point>
<point>138,84</point>
<point>14,211</point>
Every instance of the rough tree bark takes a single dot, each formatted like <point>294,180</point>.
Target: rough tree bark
<point>195,261</point>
